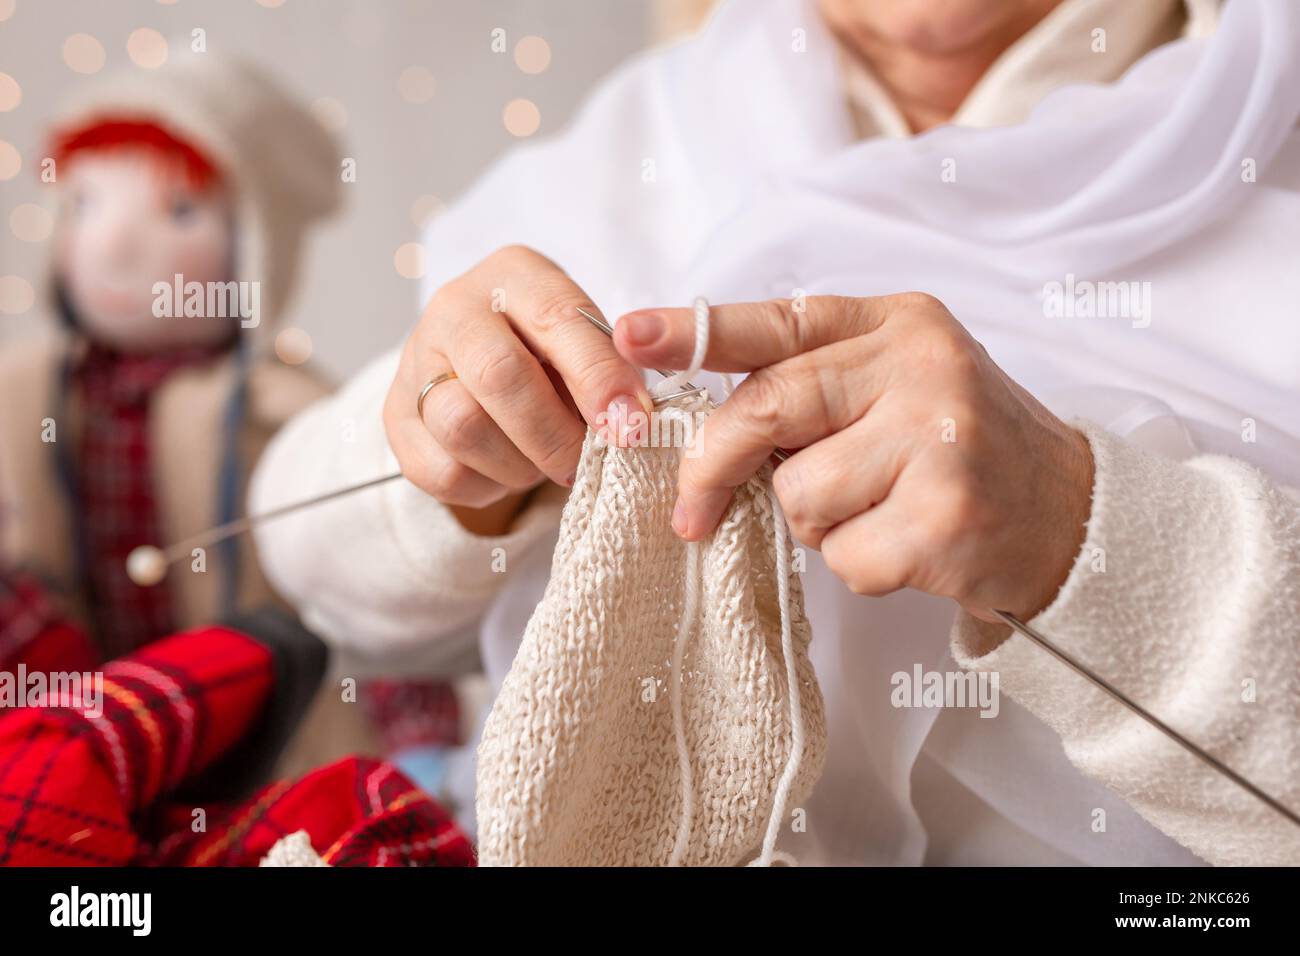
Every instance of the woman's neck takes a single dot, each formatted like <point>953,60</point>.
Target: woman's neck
<point>929,75</point>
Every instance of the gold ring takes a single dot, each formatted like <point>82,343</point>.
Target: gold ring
<point>429,387</point>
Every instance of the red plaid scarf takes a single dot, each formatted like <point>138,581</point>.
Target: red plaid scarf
<point>80,788</point>
<point>118,504</point>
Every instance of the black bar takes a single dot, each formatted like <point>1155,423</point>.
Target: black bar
<point>433,907</point>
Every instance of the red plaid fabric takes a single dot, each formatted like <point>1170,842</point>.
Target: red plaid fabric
<point>411,713</point>
<point>115,493</point>
<point>71,779</point>
<point>357,812</point>
<point>33,632</point>
<point>84,788</point>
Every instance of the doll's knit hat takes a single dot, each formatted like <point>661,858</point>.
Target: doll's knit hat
<point>282,165</point>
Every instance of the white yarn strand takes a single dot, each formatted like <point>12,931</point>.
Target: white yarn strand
<point>728,384</point>
<point>769,853</point>
<point>674,382</point>
<point>689,610</point>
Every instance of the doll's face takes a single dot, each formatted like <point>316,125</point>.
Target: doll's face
<point>130,221</point>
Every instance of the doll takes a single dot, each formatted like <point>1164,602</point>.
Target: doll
<point>184,195</point>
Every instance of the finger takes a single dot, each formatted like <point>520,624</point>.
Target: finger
<point>872,552</point>
<point>840,476</point>
<point>542,303</point>
<point>747,335</point>
<point>465,430</point>
<point>422,460</point>
<point>788,405</point>
<point>510,387</point>
<point>435,472</point>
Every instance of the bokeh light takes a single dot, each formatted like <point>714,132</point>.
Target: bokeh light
<point>408,260</point>
<point>31,223</point>
<point>521,117</point>
<point>147,48</point>
<point>16,295</point>
<point>416,85</point>
<point>10,160</point>
<point>532,54</point>
<point>293,346</point>
<point>11,94</point>
<point>83,53</point>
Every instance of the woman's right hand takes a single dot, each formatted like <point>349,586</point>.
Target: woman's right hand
<point>531,374</point>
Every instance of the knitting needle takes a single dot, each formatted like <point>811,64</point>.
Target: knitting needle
<point>780,454</point>
<point>147,565</point>
<point>1022,628</point>
<point>1016,624</point>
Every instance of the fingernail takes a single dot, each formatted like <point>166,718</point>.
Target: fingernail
<point>568,482</point>
<point>643,328</point>
<point>624,418</point>
<point>680,521</point>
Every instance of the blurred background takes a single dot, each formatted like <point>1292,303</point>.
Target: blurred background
<point>423,94</point>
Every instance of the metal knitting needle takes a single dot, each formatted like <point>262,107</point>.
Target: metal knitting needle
<point>1020,627</point>
<point>147,565</point>
<point>1209,759</point>
<point>780,454</point>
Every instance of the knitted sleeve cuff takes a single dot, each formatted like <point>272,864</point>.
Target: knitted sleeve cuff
<point>1180,597</point>
<point>471,566</point>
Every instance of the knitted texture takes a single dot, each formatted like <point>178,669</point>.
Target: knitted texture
<point>293,850</point>
<point>580,762</point>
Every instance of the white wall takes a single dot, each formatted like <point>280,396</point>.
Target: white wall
<point>352,301</point>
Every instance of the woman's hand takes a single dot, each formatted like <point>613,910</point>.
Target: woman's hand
<point>921,465</point>
<point>529,371</point>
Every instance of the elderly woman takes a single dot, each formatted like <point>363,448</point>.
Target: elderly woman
<point>1016,283</point>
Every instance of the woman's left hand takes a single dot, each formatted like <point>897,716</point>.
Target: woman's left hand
<point>921,464</point>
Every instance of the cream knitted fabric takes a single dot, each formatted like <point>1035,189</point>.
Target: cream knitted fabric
<point>293,849</point>
<point>581,762</point>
